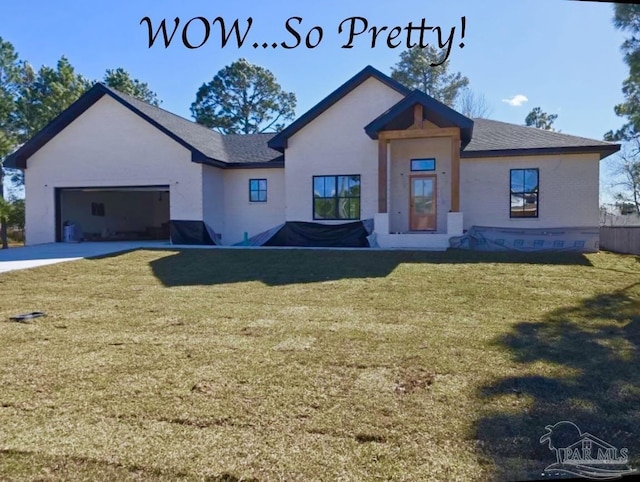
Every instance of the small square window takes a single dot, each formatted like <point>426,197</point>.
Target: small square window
<point>258,190</point>
<point>423,164</point>
<point>97,209</point>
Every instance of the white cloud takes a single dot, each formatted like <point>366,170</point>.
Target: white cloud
<point>516,100</point>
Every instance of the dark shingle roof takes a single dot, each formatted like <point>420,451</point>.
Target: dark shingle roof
<point>250,148</point>
<point>229,149</point>
<point>207,146</point>
<point>207,141</point>
<point>492,137</point>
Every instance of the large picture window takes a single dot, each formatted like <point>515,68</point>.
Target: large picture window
<point>524,190</point>
<point>336,197</point>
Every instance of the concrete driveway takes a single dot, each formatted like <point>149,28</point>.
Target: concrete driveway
<point>42,254</point>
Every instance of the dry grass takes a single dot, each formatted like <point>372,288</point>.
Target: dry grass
<point>314,365</point>
<point>12,243</point>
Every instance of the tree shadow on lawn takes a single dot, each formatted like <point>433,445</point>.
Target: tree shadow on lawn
<point>597,344</point>
<point>192,267</point>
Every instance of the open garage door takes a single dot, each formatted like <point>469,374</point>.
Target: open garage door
<point>133,213</point>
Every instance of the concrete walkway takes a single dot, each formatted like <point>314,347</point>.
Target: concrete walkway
<point>42,254</point>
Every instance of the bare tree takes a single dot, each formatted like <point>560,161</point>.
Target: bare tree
<point>473,105</point>
<point>627,170</point>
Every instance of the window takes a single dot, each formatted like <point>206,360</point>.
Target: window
<point>524,193</point>
<point>336,197</point>
<point>258,190</point>
<point>97,209</point>
<point>423,164</point>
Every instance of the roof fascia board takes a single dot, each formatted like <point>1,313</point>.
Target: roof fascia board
<point>604,151</point>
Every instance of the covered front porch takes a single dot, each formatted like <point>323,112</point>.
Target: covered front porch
<point>419,143</point>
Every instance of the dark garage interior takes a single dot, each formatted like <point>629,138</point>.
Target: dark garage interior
<point>112,214</point>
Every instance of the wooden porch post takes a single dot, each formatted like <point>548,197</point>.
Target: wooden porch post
<point>382,175</point>
<point>455,174</point>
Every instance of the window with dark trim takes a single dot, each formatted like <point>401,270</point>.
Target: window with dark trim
<point>258,190</point>
<point>423,164</point>
<point>524,189</point>
<point>336,197</point>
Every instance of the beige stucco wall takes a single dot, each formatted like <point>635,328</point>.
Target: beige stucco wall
<point>108,145</point>
<point>568,191</point>
<point>213,198</point>
<point>335,143</point>
<point>402,151</point>
<point>241,215</point>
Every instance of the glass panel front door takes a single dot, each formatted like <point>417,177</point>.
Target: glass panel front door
<point>422,203</point>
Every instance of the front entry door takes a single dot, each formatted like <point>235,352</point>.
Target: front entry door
<point>422,203</point>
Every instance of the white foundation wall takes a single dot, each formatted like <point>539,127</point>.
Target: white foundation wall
<point>108,145</point>
<point>241,215</point>
<point>335,143</point>
<point>569,191</point>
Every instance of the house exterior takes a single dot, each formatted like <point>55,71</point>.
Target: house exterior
<point>118,168</point>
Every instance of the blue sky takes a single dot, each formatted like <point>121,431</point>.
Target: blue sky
<point>563,56</point>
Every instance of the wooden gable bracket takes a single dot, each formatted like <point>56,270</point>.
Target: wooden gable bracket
<point>418,117</point>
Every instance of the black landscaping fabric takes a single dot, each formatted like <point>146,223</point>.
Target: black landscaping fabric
<point>190,232</point>
<point>296,233</point>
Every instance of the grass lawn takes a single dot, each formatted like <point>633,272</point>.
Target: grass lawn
<point>230,365</point>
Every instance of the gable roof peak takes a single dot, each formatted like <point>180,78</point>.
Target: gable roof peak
<point>279,142</point>
<point>400,116</point>
<point>206,145</point>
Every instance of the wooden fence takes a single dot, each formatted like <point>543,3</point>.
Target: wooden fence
<point>620,239</point>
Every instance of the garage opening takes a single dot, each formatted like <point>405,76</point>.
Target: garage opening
<point>133,213</point>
